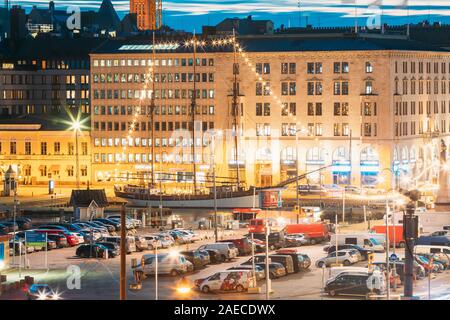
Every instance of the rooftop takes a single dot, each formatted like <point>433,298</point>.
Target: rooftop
<point>275,43</point>
<point>83,198</point>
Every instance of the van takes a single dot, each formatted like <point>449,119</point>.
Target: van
<point>353,283</point>
<point>334,271</point>
<point>364,240</point>
<point>424,249</point>
<point>130,242</point>
<point>285,260</point>
<point>229,280</point>
<point>243,245</point>
<point>167,264</point>
<point>227,250</point>
<point>433,241</point>
<point>276,239</point>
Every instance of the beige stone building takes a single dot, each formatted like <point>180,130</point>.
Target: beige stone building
<point>304,101</point>
<point>39,152</point>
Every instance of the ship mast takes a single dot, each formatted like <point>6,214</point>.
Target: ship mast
<point>152,112</point>
<point>235,107</point>
<point>193,109</point>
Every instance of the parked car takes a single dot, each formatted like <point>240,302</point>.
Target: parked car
<point>285,260</point>
<point>93,250</point>
<point>345,257</point>
<point>22,223</point>
<point>206,259</point>
<point>172,265</point>
<point>352,190</point>
<point>214,256</point>
<point>295,239</point>
<point>301,260</point>
<point>71,238</point>
<point>230,280</point>
<point>363,251</point>
<point>194,257</point>
<point>276,270</point>
<point>109,227</point>
<point>153,241</point>
<point>243,244</point>
<point>259,270</point>
<point>276,239</point>
<point>110,222</point>
<point>112,247</point>
<point>130,242</point>
<point>352,283</point>
<point>227,250</point>
<point>12,226</point>
<point>60,240</point>
<point>440,233</point>
<point>141,243</point>
<point>258,244</point>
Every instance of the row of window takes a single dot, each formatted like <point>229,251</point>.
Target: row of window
<point>159,94</point>
<point>422,86</point>
<point>49,172</point>
<point>20,94</point>
<point>316,129</point>
<point>146,78</point>
<point>313,109</point>
<point>27,79</point>
<point>147,158</point>
<point>158,110</point>
<point>422,67</point>
<point>147,142</point>
<point>404,108</point>
<point>44,148</point>
<point>313,88</point>
<point>401,128</point>
<point>146,126</point>
<point>183,62</point>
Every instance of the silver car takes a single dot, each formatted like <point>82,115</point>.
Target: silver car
<point>345,257</point>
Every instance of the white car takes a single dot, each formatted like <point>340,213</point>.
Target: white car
<point>81,238</point>
<point>345,257</point>
<point>298,238</point>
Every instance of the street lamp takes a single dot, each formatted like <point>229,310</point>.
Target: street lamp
<point>213,158</point>
<point>76,127</point>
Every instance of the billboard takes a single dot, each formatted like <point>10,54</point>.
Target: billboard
<point>36,239</point>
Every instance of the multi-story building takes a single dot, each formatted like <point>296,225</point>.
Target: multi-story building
<point>365,107</point>
<point>41,150</point>
<point>148,13</point>
<point>44,86</point>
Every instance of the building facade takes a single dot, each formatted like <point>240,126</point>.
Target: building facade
<point>303,102</point>
<point>44,89</point>
<point>147,12</point>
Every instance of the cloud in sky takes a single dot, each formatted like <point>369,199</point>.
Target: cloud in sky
<point>190,14</point>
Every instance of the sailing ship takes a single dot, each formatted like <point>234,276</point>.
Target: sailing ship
<point>227,195</point>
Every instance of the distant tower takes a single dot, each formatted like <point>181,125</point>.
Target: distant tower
<point>148,13</point>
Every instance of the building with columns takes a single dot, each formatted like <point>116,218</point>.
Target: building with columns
<point>374,110</point>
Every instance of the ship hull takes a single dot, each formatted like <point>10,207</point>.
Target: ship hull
<point>238,201</point>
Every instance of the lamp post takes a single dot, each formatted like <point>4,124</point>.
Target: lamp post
<point>388,267</point>
<point>76,127</point>
<point>213,158</point>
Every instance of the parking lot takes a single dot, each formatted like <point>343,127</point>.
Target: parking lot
<point>100,277</point>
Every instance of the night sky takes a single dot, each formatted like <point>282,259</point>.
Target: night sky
<point>192,14</point>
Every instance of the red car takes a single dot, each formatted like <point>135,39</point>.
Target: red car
<point>72,239</point>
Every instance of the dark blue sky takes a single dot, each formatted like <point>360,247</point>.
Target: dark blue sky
<point>192,14</point>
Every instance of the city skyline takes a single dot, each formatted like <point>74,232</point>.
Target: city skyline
<point>192,15</point>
